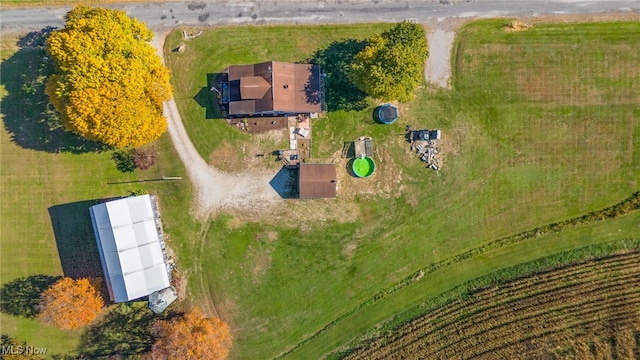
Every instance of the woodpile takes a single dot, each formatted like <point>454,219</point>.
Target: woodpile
<point>428,153</point>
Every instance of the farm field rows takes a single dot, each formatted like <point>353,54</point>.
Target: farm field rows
<point>586,311</point>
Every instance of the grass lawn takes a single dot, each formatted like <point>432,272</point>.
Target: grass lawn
<point>48,181</point>
<point>522,150</point>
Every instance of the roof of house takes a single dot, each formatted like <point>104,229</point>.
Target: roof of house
<point>129,237</point>
<point>317,181</point>
<point>253,87</point>
<point>274,86</point>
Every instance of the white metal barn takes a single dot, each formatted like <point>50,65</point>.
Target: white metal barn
<point>132,251</point>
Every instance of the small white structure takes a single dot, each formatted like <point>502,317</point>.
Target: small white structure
<point>132,251</point>
<point>160,300</point>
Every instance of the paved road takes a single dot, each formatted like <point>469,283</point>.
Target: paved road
<point>162,16</point>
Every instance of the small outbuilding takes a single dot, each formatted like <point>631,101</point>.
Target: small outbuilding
<point>160,300</point>
<point>317,181</point>
<point>131,246</point>
<point>363,146</point>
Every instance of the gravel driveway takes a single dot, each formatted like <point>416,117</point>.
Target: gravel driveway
<point>214,189</point>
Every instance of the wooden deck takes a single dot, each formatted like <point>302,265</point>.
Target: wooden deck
<point>299,130</point>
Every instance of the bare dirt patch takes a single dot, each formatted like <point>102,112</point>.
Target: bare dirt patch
<point>254,154</point>
<point>350,249</point>
<point>226,158</point>
<point>303,214</point>
<point>446,145</point>
<point>261,260</point>
<point>234,223</point>
<point>268,236</point>
<point>385,180</point>
<point>516,25</point>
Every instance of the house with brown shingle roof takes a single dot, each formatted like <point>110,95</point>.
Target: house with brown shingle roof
<point>272,88</point>
<point>317,181</point>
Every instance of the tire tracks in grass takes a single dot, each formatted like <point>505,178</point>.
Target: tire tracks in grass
<point>209,306</point>
<point>622,208</point>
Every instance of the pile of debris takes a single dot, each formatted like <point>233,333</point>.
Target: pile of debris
<point>516,25</point>
<point>429,154</point>
<point>423,142</point>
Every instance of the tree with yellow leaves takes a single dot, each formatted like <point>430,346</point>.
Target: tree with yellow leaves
<point>191,336</point>
<point>69,304</point>
<point>109,84</point>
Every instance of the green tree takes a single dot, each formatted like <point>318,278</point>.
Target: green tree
<point>391,66</point>
<point>109,84</point>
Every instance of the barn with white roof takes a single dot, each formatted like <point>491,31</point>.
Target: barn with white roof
<point>131,245</point>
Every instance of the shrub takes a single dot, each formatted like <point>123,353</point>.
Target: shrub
<point>124,160</point>
<point>144,158</point>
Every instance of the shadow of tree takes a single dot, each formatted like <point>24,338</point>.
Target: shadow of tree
<point>75,239</point>
<point>124,332</point>
<point>335,62</point>
<point>20,297</point>
<point>28,117</point>
<point>206,98</point>
<point>312,88</point>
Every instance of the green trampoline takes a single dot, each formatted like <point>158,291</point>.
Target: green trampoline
<point>363,166</point>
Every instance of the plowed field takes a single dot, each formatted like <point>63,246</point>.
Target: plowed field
<point>589,310</point>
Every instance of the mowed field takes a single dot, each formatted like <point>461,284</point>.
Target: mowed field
<point>522,150</point>
<point>588,310</point>
<point>48,181</point>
